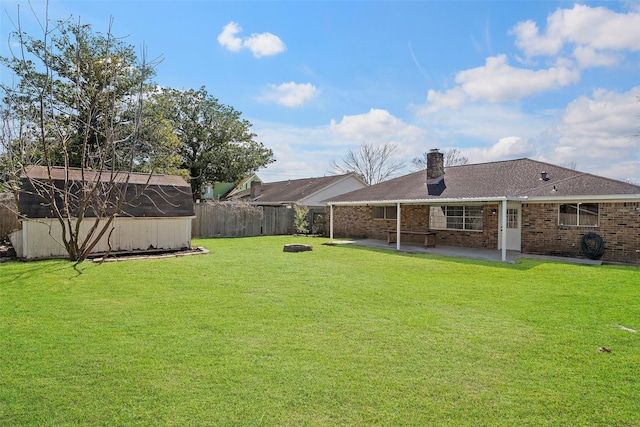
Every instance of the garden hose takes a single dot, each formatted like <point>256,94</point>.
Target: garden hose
<point>592,245</point>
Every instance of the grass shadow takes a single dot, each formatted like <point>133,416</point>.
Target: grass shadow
<point>21,272</point>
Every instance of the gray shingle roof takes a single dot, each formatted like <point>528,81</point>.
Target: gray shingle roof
<point>293,190</point>
<point>513,178</point>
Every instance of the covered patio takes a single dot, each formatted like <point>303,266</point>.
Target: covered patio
<point>507,226</point>
<point>454,251</point>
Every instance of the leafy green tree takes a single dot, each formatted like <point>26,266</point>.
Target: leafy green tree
<point>217,145</point>
<point>300,221</point>
<point>88,84</point>
<point>157,147</point>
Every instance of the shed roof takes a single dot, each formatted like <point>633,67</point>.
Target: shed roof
<point>75,174</point>
<point>520,178</point>
<point>154,196</point>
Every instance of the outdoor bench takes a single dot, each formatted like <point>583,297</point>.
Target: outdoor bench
<point>429,236</point>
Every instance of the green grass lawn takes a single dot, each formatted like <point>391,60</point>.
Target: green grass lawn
<point>250,335</point>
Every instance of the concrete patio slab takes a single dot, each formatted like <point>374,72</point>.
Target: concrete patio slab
<point>472,253</point>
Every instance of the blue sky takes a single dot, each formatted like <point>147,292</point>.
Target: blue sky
<point>550,80</point>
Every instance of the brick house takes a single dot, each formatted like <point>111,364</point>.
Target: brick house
<point>547,210</point>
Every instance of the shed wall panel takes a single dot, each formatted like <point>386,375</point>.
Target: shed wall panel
<point>42,239</point>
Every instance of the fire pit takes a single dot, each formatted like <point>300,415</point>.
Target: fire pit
<point>297,247</point>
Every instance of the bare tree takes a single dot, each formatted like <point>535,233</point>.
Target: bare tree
<point>76,108</point>
<point>373,164</point>
<point>452,157</point>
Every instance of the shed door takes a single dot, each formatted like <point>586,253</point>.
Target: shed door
<point>514,227</point>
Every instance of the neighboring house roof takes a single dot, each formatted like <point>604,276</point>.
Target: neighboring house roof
<point>222,190</point>
<point>242,185</point>
<point>299,191</point>
<point>155,196</point>
<point>521,178</point>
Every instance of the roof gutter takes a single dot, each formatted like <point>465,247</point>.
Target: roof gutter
<point>430,201</point>
<point>594,198</point>
<point>528,199</point>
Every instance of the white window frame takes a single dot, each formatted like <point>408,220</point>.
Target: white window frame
<point>388,212</point>
<point>441,217</point>
<point>578,209</point>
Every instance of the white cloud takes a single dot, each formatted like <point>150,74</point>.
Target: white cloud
<point>265,44</point>
<point>588,57</point>
<point>590,36</point>
<point>597,30</point>
<point>290,94</point>
<point>483,123</point>
<point>597,133</point>
<point>529,40</point>
<point>507,148</point>
<point>454,98</point>
<point>599,27</point>
<point>303,152</point>
<point>605,121</point>
<point>497,81</point>
<point>300,152</point>
<point>227,38</point>
<point>623,170</point>
<point>377,126</point>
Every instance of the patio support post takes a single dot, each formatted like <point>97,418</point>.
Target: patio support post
<point>398,227</point>
<point>330,223</point>
<point>503,215</point>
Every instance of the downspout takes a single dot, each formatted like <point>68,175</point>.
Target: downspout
<point>398,227</point>
<point>330,223</point>
<point>503,215</point>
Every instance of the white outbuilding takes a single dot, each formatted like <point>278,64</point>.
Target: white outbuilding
<point>157,216</point>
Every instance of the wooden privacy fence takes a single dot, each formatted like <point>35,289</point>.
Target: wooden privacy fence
<point>220,220</point>
<point>8,217</point>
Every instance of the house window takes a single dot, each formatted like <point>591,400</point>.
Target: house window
<point>385,212</point>
<point>512,218</point>
<point>578,214</point>
<point>456,218</point>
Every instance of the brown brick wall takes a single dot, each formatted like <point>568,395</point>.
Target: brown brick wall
<point>357,221</point>
<point>619,227</point>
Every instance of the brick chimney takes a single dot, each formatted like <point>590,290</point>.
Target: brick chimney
<point>435,164</point>
<point>256,189</point>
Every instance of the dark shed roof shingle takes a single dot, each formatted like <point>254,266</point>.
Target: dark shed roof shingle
<point>165,196</point>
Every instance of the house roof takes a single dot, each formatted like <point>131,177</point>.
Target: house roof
<point>242,185</point>
<point>520,178</point>
<point>293,190</point>
<point>165,195</point>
